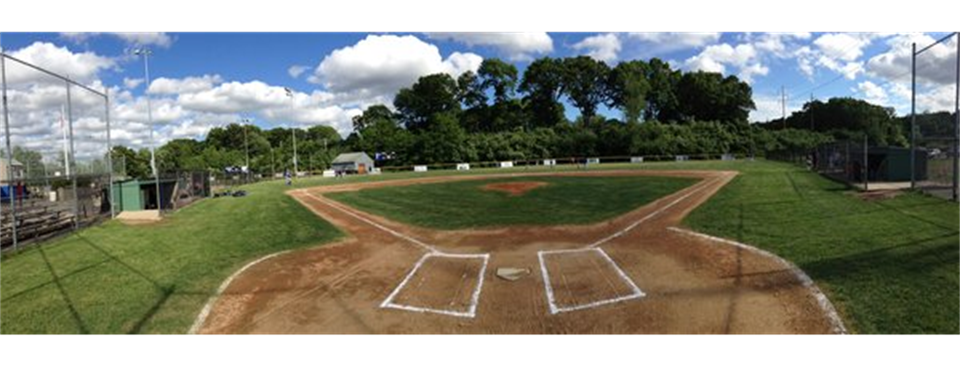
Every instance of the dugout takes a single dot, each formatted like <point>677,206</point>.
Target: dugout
<point>891,164</point>
<point>136,195</point>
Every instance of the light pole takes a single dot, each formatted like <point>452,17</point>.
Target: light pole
<point>293,130</point>
<point>146,53</point>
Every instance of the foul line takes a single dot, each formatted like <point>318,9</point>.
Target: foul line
<point>835,322</point>
<point>651,215</point>
<point>415,241</point>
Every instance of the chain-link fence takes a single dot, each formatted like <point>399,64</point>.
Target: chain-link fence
<point>55,172</point>
<point>934,120</point>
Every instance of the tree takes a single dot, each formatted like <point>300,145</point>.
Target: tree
<point>628,87</point>
<point>372,115</point>
<point>180,155</point>
<point>443,141</point>
<point>661,99</point>
<point>500,76</point>
<point>130,162</point>
<point>431,94</point>
<point>543,84</point>
<point>584,82</point>
<point>710,96</point>
<point>381,134</point>
<point>848,118</point>
<point>472,95</point>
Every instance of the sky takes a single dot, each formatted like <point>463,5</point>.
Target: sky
<point>203,80</point>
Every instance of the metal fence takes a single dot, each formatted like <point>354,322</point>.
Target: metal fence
<point>55,172</point>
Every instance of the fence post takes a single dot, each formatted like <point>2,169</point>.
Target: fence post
<point>6,126</point>
<point>866,164</point>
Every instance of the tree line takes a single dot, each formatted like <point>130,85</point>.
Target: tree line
<point>499,113</point>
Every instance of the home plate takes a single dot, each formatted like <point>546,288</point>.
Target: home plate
<point>512,273</point>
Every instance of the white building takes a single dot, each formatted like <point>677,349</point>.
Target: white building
<point>5,172</point>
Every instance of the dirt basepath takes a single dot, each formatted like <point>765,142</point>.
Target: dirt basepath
<point>630,274</point>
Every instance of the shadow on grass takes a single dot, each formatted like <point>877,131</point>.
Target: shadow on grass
<point>902,211</point>
<point>81,326</point>
<point>886,260</point>
<point>165,290</point>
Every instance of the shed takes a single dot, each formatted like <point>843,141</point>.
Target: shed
<point>353,162</point>
<point>5,173</point>
<point>136,195</point>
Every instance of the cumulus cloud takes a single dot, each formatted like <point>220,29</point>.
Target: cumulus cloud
<point>296,70</point>
<point>380,65</point>
<point>872,93</point>
<point>165,85</point>
<point>131,83</point>
<point>716,58</point>
<point>82,67</point>
<point>602,47</point>
<point>658,44</point>
<point>936,66</point>
<point>161,40</point>
<point>513,46</point>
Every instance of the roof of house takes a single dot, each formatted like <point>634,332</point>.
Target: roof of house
<point>351,157</point>
<point>15,162</point>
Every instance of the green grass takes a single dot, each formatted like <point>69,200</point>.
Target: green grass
<point>115,278</point>
<point>463,204</point>
<point>891,266</point>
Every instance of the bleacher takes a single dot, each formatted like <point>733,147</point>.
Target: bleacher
<point>36,219</point>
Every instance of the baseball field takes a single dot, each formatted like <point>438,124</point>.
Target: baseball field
<point>692,247</point>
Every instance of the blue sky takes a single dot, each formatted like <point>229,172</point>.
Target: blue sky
<point>203,80</point>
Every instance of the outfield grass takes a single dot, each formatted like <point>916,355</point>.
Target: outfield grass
<point>463,204</point>
<point>890,266</point>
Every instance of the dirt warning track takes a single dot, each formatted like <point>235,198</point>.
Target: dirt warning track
<point>635,273</point>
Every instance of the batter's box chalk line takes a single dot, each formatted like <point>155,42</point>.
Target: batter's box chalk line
<point>474,298</point>
<point>636,293</point>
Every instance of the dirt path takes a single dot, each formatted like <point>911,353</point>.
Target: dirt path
<point>626,275</point>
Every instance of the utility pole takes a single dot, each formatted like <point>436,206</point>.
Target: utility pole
<point>810,110</point>
<point>956,129</point>
<point>913,117</point>
<point>783,107</point>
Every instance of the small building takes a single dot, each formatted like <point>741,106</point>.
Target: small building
<point>7,174</point>
<point>892,164</point>
<point>353,163</point>
<point>136,195</point>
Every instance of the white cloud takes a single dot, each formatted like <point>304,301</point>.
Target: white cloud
<point>769,107</point>
<point>165,85</point>
<point>656,44</point>
<point>161,40</point>
<point>82,67</point>
<point>380,65</point>
<point>131,83</point>
<point>602,47</point>
<point>935,66</point>
<point>296,70</point>
<point>458,63</point>
<point>514,46</point>
<point>837,52</point>
<point>235,97</point>
<point>716,58</point>
<point>842,46</point>
<point>780,45</point>
<point>872,93</point>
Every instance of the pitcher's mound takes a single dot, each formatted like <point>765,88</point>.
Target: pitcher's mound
<point>514,188</point>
